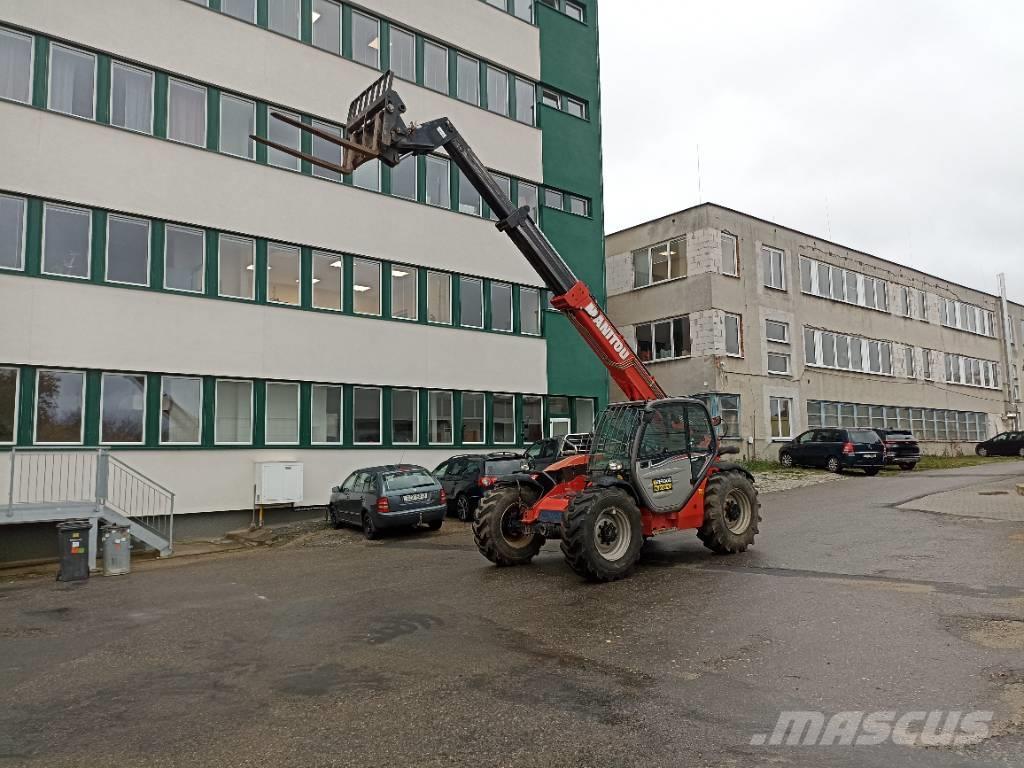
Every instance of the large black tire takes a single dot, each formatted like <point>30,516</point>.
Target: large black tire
<point>908,467</point>
<point>602,534</point>
<point>872,472</point>
<point>332,518</point>
<point>493,527</point>
<point>369,529</point>
<point>731,513</point>
<point>435,525</point>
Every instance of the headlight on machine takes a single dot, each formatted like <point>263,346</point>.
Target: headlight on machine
<point>614,466</point>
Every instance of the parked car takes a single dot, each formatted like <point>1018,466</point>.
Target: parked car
<point>390,496</point>
<point>1003,444</point>
<point>467,477</point>
<point>835,450</point>
<point>543,453</point>
<point>901,447</point>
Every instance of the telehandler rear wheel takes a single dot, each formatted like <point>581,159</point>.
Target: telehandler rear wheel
<point>602,534</point>
<point>495,528</point>
<point>731,513</point>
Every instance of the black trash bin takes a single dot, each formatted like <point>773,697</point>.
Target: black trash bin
<point>73,536</point>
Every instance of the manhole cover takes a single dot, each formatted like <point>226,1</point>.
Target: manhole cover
<point>993,493</point>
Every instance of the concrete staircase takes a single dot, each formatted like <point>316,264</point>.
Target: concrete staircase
<point>66,484</point>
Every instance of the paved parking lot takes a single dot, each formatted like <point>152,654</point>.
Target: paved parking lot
<point>330,651</point>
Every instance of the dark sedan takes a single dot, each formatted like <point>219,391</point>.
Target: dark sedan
<point>901,447</point>
<point>835,450</point>
<point>390,496</point>
<point>1003,444</point>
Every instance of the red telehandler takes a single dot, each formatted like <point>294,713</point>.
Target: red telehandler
<point>655,463</point>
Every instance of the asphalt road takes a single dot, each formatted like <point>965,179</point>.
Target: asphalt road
<point>330,651</point>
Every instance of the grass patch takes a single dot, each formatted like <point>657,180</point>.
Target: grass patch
<point>760,465</point>
<point>953,462</point>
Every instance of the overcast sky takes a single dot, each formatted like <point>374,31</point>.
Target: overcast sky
<point>895,128</point>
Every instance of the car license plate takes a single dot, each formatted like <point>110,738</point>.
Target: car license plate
<point>415,497</point>
<point>870,455</point>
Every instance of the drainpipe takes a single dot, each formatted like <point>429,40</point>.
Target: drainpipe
<point>1012,406</point>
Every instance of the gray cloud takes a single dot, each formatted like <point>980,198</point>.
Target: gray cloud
<point>894,128</point>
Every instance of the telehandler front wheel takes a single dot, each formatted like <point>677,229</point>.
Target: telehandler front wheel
<point>496,530</point>
<point>731,513</point>
<point>602,534</point>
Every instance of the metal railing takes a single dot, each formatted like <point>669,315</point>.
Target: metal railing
<point>90,476</point>
<point>145,501</point>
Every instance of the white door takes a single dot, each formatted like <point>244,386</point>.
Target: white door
<point>559,427</point>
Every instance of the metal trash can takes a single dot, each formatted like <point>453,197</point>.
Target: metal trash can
<point>73,538</point>
<point>117,550</point>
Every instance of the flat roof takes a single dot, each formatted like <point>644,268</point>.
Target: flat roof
<point>813,237</point>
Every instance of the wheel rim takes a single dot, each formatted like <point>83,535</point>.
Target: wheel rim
<point>367,525</point>
<point>982,452</point>
<point>463,508</point>
<point>787,460</point>
<point>612,533</point>
<point>511,533</point>
<point>738,512</point>
<point>833,464</point>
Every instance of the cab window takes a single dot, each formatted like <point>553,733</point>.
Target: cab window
<point>673,429</point>
<point>350,482</point>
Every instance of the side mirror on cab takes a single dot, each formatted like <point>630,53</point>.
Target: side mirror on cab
<point>336,489</point>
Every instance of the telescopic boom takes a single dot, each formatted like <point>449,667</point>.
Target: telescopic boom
<point>376,130</point>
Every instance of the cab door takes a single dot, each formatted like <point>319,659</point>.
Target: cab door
<point>675,445</point>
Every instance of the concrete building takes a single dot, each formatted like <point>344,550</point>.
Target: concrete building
<point>199,304</point>
<point>780,331</point>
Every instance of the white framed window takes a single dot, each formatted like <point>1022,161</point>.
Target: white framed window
<point>72,88</point>
<point>778,363</point>
<point>325,414</point>
<point>526,101</point>
<point>184,259</point>
<point>405,292</point>
<point>284,274</point>
<point>904,307</point>
<point>131,98</point>
<point>550,98</point>
<point>236,267</point>
<point>233,406</point>
<point>576,108</point>
<point>497,91</point>
<point>122,409</point>
<point>440,418</point>
<point>504,407</point>
<point>579,206</point>
<point>367,176</point>
<point>733,335</point>
<point>523,9</point>
<point>403,53</point>
<point>405,416</point>
<point>67,234</point>
<point>186,113</point>
<point>469,198</point>
<point>773,263</point>
<point>286,135</point>
<point>574,11</point>
<point>533,418</point>
<point>16,62</point>
<point>237,124</point>
<point>60,398</point>
<point>909,362</point>
<point>528,198</point>
<point>283,17</point>
<point>664,339</point>
<point>776,331</point>
<point>529,311</point>
<point>327,280</point>
<point>281,418</point>
<point>127,250</point>
<point>12,228</point>
<point>439,298</point>
<point>405,178</point>
<point>9,382</point>
<point>322,149</point>
<point>474,418</point>
<point>435,67</point>
<point>327,25</point>
<point>365,39</point>
<point>366,287</point>
<point>730,254</point>
<point>467,79</point>
<point>926,364</point>
<point>366,415</point>
<point>781,419</point>
<point>439,183</point>
<point>240,9</point>
<point>554,199</point>
<point>584,408</point>
<point>658,263</point>
<point>471,302</point>
<point>501,307</point>
<point>181,410</point>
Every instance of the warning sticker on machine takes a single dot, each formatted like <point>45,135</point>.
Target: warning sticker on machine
<point>661,484</point>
